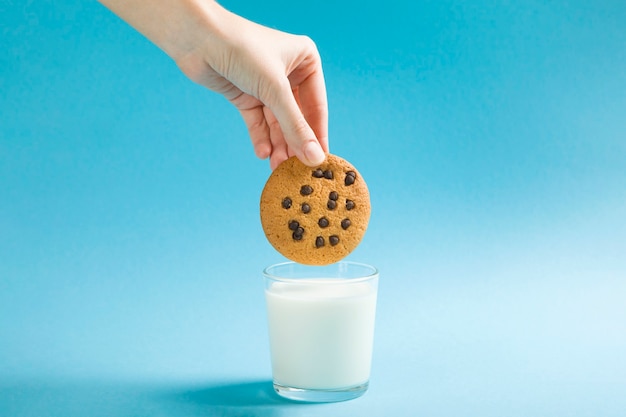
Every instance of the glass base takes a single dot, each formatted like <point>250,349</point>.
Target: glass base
<point>321,395</point>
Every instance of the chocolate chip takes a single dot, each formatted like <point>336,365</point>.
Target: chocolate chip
<point>318,173</point>
<point>345,223</point>
<point>306,190</point>
<point>333,195</point>
<point>328,174</point>
<point>350,178</point>
<point>286,203</point>
<point>306,208</point>
<point>331,204</point>
<point>293,225</point>
<point>349,204</point>
<point>323,222</point>
<point>319,242</point>
<point>298,233</point>
<point>334,239</point>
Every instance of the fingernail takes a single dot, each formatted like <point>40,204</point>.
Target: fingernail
<point>313,153</point>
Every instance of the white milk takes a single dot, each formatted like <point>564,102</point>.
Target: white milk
<point>321,337</point>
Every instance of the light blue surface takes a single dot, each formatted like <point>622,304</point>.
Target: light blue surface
<point>492,136</point>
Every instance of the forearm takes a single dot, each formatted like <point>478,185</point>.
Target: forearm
<point>176,26</point>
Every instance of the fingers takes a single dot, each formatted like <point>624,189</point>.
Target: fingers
<point>311,91</point>
<point>301,105</point>
<point>297,133</point>
<point>266,135</point>
<point>311,97</point>
<point>258,130</point>
<point>280,152</point>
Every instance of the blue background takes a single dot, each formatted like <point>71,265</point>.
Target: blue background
<point>493,139</point>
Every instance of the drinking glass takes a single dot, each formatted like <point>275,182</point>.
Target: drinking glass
<point>321,329</point>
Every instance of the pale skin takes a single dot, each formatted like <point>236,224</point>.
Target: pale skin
<point>273,78</point>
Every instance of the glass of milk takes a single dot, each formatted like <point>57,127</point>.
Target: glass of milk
<point>321,329</point>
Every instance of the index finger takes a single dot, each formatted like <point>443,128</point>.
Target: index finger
<point>311,97</point>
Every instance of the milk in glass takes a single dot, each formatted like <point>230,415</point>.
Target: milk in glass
<point>321,332</point>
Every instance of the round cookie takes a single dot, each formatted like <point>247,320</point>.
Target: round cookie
<point>315,216</point>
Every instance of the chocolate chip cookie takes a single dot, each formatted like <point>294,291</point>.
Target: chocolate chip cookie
<point>315,216</point>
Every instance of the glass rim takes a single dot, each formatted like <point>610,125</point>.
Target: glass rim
<point>372,274</point>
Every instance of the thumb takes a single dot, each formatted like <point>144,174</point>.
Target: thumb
<point>298,134</point>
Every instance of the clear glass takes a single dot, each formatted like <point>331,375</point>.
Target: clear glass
<point>321,329</point>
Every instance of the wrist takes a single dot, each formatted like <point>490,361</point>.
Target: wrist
<point>192,24</point>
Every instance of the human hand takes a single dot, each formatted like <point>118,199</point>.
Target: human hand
<point>274,79</point>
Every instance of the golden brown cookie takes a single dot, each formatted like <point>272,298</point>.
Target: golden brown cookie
<point>315,216</point>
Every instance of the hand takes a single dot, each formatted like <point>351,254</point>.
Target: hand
<point>274,79</point>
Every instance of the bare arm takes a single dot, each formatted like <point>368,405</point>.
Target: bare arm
<point>274,79</point>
